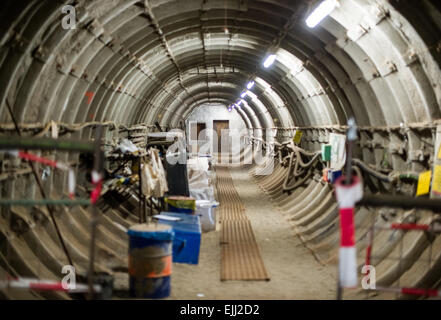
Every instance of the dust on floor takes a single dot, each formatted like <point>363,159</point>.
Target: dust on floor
<point>294,272</point>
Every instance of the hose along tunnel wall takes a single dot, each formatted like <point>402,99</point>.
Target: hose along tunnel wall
<point>127,64</point>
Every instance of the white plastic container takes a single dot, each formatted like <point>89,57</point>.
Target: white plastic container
<point>202,193</point>
<point>207,212</point>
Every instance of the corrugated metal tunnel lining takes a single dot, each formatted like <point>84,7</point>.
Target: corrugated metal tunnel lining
<point>137,62</point>
<point>162,58</point>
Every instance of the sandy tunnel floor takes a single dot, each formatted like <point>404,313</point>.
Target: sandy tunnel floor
<point>294,273</point>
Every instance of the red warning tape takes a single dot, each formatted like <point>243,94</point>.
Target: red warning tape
<point>51,163</point>
<point>368,255</point>
<point>412,291</point>
<point>35,158</point>
<point>57,286</point>
<point>421,292</point>
<point>409,226</point>
<point>45,285</point>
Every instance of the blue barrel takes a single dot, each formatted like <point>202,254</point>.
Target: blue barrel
<point>150,260</point>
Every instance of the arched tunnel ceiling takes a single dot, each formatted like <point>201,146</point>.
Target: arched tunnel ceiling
<point>153,60</point>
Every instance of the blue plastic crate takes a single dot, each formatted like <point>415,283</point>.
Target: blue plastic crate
<point>187,240</point>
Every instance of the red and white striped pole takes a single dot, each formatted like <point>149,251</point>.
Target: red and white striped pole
<point>97,181</point>
<point>369,248</point>
<point>46,285</point>
<point>347,196</point>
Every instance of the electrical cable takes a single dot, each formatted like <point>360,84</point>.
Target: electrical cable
<point>290,182</point>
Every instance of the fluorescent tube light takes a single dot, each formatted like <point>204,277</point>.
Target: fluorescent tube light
<point>250,85</point>
<point>269,60</point>
<point>321,12</point>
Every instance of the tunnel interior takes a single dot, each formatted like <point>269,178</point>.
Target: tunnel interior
<point>101,71</point>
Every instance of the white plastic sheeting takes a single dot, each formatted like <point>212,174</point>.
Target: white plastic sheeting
<point>201,188</point>
<point>127,146</point>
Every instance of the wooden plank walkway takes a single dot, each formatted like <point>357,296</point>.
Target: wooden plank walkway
<point>240,255</point>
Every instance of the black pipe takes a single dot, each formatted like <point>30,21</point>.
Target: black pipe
<point>364,167</point>
<point>404,202</point>
<point>158,126</point>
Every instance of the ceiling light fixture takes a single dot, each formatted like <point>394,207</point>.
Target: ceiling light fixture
<point>269,60</point>
<point>250,85</point>
<point>243,94</point>
<point>321,12</point>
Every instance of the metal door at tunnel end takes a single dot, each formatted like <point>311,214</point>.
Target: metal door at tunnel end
<point>221,128</point>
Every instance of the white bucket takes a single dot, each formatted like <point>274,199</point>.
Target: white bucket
<point>206,210</point>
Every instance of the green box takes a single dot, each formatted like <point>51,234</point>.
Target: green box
<point>326,152</point>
